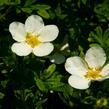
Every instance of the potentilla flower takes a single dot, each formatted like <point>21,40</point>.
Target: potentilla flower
<point>91,69</point>
<point>33,36</point>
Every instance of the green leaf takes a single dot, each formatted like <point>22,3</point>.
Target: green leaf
<point>4,83</point>
<point>106,37</point>
<point>29,2</point>
<point>59,13</point>
<point>54,82</point>
<point>43,13</point>
<point>106,34</point>
<point>89,100</point>
<point>57,58</point>
<point>67,89</point>
<point>101,37</point>
<point>99,31</point>
<point>39,103</point>
<point>84,2</point>
<point>1,95</point>
<point>102,11</point>
<point>42,7</point>
<point>2,2</point>
<point>40,84</point>
<point>51,14</point>
<point>97,35</point>
<point>48,72</point>
<point>27,10</point>
<point>51,68</point>
<point>12,2</point>
<point>66,93</point>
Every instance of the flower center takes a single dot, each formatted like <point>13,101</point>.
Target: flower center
<point>93,74</point>
<point>32,40</point>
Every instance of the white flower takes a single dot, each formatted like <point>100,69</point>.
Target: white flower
<point>84,71</point>
<point>33,36</point>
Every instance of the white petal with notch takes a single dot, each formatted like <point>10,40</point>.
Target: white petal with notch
<point>48,33</point>
<point>78,82</point>
<point>76,66</point>
<point>95,57</point>
<point>43,49</point>
<point>21,49</point>
<point>17,30</point>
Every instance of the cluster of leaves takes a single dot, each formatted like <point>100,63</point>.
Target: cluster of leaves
<point>36,83</point>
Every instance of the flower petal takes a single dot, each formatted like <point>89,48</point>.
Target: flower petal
<point>95,57</point>
<point>48,33</point>
<point>105,72</point>
<point>17,30</point>
<point>43,49</point>
<point>78,82</point>
<point>33,24</point>
<point>76,66</point>
<point>21,49</point>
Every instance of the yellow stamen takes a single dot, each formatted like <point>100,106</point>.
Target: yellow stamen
<point>32,40</point>
<point>93,74</point>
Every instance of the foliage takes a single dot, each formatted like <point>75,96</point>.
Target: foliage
<point>36,83</point>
